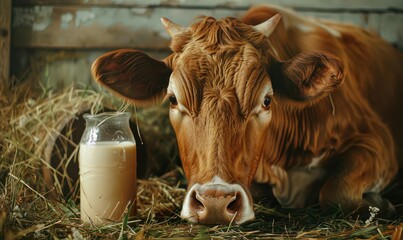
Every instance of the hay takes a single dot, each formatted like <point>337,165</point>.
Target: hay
<point>32,119</point>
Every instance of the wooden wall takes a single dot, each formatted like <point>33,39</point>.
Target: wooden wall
<point>5,25</point>
<point>67,35</point>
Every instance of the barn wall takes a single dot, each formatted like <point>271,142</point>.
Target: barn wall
<point>63,37</point>
<point>5,25</point>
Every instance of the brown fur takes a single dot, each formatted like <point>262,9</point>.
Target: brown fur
<point>357,144</point>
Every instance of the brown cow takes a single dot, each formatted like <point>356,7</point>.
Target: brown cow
<point>299,103</point>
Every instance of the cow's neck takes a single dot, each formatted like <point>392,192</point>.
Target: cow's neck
<point>297,135</point>
<point>298,138</point>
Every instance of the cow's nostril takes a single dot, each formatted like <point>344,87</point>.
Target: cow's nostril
<point>217,204</point>
<point>235,205</point>
<point>195,202</point>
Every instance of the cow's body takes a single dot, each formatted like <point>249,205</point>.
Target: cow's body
<point>319,135</point>
<point>304,106</point>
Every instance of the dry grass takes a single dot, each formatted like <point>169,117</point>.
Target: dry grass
<point>31,209</point>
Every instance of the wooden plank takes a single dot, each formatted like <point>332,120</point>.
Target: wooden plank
<point>387,25</point>
<point>98,27</point>
<point>95,27</point>
<point>309,4</point>
<point>5,23</point>
<point>64,67</point>
<point>391,28</point>
<point>123,3</point>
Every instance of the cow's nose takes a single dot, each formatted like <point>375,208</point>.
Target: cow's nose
<point>217,204</point>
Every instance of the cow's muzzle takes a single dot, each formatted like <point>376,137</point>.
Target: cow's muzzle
<point>217,203</point>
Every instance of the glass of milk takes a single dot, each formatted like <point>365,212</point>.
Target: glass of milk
<point>107,161</point>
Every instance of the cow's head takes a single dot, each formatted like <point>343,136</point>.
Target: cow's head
<point>222,85</point>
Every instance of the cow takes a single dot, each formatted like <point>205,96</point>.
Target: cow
<point>304,105</point>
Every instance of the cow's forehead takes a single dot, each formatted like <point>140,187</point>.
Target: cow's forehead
<point>237,71</point>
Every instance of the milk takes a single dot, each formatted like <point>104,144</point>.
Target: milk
<point>107,180</point>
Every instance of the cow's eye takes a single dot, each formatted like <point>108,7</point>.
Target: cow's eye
<point>173,100</point>
<point>266,102</point>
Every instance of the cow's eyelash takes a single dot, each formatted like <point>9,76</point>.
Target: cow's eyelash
<point>168,95</point>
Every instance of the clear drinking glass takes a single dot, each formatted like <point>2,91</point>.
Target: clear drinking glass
<point>107,161</point>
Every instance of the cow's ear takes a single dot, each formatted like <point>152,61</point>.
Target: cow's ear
<point>307,75</point>
<point>133,75</point>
